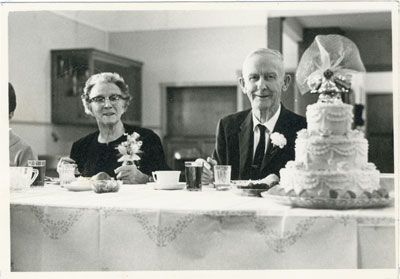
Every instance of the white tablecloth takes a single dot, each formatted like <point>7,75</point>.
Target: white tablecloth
<point>138,228</point>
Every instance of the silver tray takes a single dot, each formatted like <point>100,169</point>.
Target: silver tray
<point>327,203</point>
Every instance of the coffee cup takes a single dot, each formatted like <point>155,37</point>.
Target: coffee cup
<point>166,177</point>
<point>21,178</point>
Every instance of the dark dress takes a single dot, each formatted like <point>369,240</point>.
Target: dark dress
<point>93,157</point>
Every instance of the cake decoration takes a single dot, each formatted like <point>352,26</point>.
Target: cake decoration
<point>331,159</point>
<point>327,66</point>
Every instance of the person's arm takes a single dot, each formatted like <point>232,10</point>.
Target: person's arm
<point>219,153</point>
<point>70,160</point>
<point>25,155</point>
<point>153,157</point>
<point>158,154</point>
<point>220,148</point>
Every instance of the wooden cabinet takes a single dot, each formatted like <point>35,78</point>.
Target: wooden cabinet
<point>70,68</point>
<point>190,116</point>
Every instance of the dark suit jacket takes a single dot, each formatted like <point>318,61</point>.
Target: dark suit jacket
<point>234,144</point>
<point>93,157</point>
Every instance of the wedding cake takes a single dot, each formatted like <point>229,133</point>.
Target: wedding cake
<point>331,159</point>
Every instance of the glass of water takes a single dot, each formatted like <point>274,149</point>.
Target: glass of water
<point>222,175</point>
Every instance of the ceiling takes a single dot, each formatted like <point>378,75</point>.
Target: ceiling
<point>371,21</point>
<point>145,20</point>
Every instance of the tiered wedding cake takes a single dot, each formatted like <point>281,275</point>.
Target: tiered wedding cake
<point>331,159</point>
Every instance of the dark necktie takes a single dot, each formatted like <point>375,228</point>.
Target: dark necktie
<point>260,150</point>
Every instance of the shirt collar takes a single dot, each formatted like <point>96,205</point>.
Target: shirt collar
<point>270,124</point>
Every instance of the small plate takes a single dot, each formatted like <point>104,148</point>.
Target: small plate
<point>327,203</point>
<point>52,180</point>
<point>178,186</point>
<point>75,187</point>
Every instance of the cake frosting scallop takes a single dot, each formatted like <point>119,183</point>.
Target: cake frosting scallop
<point>331,159</point>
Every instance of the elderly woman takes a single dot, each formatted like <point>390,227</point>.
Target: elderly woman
<point>106,98</point>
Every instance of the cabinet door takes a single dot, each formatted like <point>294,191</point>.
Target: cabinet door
<point>70,71</point>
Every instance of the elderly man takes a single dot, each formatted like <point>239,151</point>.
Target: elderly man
<point>258,142</point>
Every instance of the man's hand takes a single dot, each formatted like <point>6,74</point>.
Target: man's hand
<point>208,170</point>
<point>271,180</point>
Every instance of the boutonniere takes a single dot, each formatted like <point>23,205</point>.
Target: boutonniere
<point>129,149</point>
<point>278,140</point>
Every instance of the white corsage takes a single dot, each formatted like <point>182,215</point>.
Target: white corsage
<point>277,139</point>
<point>129,149</point>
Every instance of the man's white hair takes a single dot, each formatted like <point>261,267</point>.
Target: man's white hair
<point>264,51</point>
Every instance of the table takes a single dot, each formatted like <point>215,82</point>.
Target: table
<point>138,228</point>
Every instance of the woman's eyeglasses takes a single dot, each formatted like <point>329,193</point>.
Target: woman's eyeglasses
<point>102,100</point>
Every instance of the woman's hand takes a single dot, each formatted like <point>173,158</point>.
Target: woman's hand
<point>130,174</point>
<point>64,161</point>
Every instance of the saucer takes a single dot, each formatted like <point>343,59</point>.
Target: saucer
<point>78,187</point>
<point>176,186</point>
<point>81,184</point>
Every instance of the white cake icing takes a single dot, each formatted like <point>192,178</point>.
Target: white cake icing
<point>319,152</point>
<point>329,118</point>
<point>319,182</point>
<point>330,156</point>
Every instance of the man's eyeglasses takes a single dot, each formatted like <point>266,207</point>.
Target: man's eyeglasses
<point>102,100</point>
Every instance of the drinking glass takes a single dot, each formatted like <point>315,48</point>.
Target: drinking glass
<point>67,174</point>
<point>40,165</point>
<point>193,173</point>
<point>222,175</point>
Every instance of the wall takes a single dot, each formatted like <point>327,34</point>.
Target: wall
<point>31,37</point>
<point>204,55</point>
<point>375,48</point>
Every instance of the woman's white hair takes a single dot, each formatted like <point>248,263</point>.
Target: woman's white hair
<point>104,78</point>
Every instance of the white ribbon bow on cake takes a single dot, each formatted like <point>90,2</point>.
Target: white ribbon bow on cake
<point>328,65</point>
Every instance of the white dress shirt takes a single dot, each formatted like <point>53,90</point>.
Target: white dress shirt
<point>270,125</point>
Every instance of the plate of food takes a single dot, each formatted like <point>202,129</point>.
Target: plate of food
<point>379,198</point>
<point>249,188</point>
<point>99,183</point>
<point>254,188</point>
<point>103,183</point>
